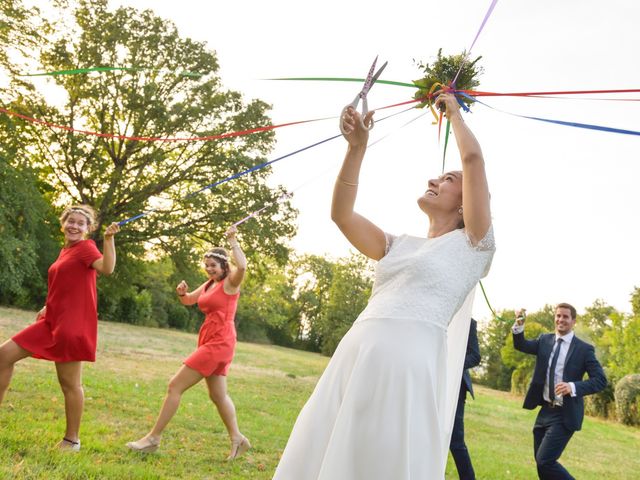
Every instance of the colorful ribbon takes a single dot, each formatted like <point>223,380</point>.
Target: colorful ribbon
<point>557,122</point>
<point>477,93</point>
<point>486,299</point>
<point>290,194</point>
<point>430,97</point>
<point>160,139</point>
<point>469,94</point>
<point>234,176</point>
<point>77,71</point>
<point>180,139</point>
<point>472,94</point>
<point>484,22</point>
<point>343,79</point>
<point>446,141</point>
<point>252,169</point>
<point>281,199</point>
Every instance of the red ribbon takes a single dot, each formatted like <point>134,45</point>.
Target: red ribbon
<point>158,139</point>
<point>475,93</point>
<point>472,93</point>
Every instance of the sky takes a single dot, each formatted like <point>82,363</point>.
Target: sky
<point>564,200</point>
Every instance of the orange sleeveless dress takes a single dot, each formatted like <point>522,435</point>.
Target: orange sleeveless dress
<point>217,339</point>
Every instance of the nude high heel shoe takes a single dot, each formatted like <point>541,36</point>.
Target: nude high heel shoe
<point>145,445</point>
<point>238,447</point>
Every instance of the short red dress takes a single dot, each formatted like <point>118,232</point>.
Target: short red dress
<point>68,330</point>
<point>217,340</point>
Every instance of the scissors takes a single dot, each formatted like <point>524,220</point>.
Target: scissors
<point>368,83</point>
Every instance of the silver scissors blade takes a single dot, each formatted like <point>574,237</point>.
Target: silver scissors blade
<point>368,79</point>
<point>368,83</point>
<point>374,79</point>
<point>371,78</point>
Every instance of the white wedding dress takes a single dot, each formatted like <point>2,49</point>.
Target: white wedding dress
<point>383,409</point>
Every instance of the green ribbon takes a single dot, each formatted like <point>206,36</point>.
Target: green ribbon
<point>345,79</point>
<point>486,299</point>
<point>77,71</point>
<point>446,141</point>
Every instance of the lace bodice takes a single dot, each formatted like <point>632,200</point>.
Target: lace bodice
<point>428,279</point>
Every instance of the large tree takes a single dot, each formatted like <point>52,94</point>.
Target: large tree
<point>26,248</point>
<point>170,88</point>
<point>493,337</point>
<point>19,31</point>
<point>313,276</point>
<point>351,285</point>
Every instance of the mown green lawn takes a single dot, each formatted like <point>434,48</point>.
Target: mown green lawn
<point>268,384</point>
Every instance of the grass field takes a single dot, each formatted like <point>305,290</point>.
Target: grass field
<point>269,385</point>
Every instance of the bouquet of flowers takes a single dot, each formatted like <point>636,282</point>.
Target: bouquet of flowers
<point>439,74</point>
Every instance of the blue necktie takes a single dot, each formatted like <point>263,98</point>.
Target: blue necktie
<point>552,371</point>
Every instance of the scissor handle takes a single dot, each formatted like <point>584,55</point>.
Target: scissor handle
<point>354,105</point>
<point>371,125</point>
<point>365,111</point>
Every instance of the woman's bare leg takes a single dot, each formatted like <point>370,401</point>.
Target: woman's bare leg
<point>10,353</point>
<point>181,381</point>
<point>70,378</point>
<point>217,385</point>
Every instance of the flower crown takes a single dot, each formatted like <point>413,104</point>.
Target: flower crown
<point>216,255</point>
<point>81,212</point>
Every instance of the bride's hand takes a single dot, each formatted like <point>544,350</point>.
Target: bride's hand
<point>448,104</point>
<point>357,133</point>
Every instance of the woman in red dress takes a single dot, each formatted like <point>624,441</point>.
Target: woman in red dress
<point>218,299</point>
<point>65,331</point>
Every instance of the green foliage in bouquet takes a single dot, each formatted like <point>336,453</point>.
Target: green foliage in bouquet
<point>443,71</point>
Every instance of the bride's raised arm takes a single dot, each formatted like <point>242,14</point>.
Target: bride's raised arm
<point>475,190</point>
<point>363,234</point>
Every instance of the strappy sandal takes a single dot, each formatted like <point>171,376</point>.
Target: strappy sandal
<point>145,445</point>
<point>238,447</point>
<point>67,445</point>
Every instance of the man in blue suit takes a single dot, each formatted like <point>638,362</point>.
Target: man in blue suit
<point>557,385</point>
<point>457,447</point>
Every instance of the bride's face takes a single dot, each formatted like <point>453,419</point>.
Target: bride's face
<point>443,194</point>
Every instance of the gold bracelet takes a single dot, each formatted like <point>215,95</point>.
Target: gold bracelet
<point>348,183</point>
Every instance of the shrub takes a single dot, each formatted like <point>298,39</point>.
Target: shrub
<point>627,395</point>
<point>601,404</point>
<point>251,329</point>
<point>178,316</point>
<point>136,309</point>
<point>520,379</point>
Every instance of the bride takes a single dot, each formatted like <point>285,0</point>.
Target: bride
<point>384,407</point>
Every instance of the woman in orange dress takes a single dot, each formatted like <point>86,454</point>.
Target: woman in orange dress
<point>65,331</point>
<point>218,299</point>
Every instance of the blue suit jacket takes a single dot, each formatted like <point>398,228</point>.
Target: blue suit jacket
<point>580,359</point>
<point>471,358</point>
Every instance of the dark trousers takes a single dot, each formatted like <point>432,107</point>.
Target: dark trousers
<point>550,437</point>
<point>457,447</point>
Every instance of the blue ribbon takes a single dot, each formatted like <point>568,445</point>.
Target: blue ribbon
<point>236,175</point>
<point>557,122</point>
<point>252,169</point>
